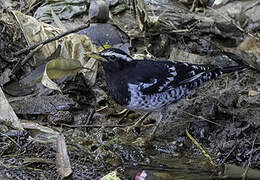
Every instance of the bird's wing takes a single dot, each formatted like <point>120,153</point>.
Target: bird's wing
<point>160,76</point>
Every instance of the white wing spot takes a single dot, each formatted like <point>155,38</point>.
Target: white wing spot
<point>172,68</point>
<point>170,78</point>
<point>146,85</point>
<point>161,87</point>
<point>177,92</point>
<point>192,73</point>
<point>194,67</point>
<point>174,73</point>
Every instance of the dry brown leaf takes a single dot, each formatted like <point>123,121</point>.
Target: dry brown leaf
<point>250,45</point>
<point>253,93</point>
<point>142,15</point>
<point>39,133</point>
<point>62,158</point>
<point>47,82</point>
<point>73,46</point>
<point>7,113</point>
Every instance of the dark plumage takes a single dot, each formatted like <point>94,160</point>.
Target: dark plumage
<point>149,85</point>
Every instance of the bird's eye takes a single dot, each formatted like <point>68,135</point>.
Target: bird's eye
<point>113,57</point>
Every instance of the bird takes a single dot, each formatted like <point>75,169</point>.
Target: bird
<point>152,85</point>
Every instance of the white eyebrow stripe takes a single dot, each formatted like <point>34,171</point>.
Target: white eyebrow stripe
<point>126,58</point>
<point>122,56</point>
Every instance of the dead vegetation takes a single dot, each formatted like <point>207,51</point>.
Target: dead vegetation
<point>57,120</point>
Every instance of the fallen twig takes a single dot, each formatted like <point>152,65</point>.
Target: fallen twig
<point>10,139</point>
<point>93,126</point>
<point>249,160</point>
<point>25,50</point>
<point>20,63</point>
<point>200,117</point>
<point>225,158</point>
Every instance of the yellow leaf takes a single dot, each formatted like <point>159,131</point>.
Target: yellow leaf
<point>61,67</point>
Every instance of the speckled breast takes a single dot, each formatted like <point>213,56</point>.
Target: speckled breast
<point>152,102</point>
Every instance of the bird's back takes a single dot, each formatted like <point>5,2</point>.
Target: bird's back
<point>148,85</point>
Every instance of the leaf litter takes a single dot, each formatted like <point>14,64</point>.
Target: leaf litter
<point>96,143</point>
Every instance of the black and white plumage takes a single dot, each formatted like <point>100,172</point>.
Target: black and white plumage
<point>148,85</point>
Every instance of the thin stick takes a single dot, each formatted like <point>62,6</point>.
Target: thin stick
<point>201,117</point>
<point>11,139</point>
<point>225,158</point>
<point>21,63</point>
<point>92,126</point>
<point>249,160</point>
<point>25,50</point>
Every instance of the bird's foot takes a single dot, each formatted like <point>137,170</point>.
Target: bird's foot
<point>138,123</point>
<point>132,127</point>
<point>152,134</point>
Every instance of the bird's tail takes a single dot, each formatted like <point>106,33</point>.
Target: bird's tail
<point>230,69</point>
<point>242,64</point>
<point>209,72</point>
<point>216,72</point>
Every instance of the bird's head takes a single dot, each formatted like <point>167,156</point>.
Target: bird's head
<point>113,59</point>
<point>114,54</point>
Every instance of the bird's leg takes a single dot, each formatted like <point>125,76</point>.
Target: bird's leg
<point>139,122</point>
<point>163,116</point>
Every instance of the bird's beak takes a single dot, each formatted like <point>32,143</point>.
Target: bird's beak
<point>96,56</point>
